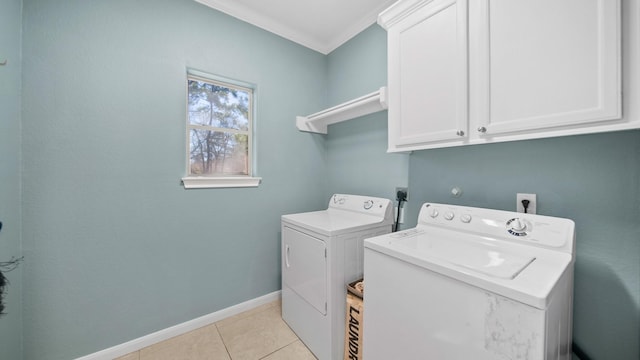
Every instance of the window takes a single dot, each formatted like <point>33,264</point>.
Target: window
<point>219,132</point>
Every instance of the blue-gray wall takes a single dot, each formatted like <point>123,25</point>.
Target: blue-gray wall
<point>115,248</point>
<point>358,162</point>
<point>592,179</point>
<point>10,30</point>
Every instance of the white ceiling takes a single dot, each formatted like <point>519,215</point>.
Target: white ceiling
<point>321,25</point>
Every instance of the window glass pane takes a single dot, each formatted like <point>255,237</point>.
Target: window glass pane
<point>218,153</point>
<point>218,106</point>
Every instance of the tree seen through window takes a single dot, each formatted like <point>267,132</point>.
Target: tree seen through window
<point>219,125</point>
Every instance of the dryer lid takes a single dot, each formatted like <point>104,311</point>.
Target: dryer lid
<point>333,223</point>
<point>344,214</point>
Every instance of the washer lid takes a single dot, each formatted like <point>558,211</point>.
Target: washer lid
<point>522,273</point>
<point>479,257</point>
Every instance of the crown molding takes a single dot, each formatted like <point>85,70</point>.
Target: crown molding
<point>310,41</point>
<point>359,26</point>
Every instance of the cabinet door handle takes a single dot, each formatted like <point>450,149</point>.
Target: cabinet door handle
<point>482,129</point>
<point>460,133</point>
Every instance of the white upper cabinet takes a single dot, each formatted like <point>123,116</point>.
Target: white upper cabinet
<point>547,64</point>
<point>499,70</point>
<point>428,62</point>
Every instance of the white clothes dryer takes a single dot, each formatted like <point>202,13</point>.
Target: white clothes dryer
<point>470,283</point>
<point>322,251</point>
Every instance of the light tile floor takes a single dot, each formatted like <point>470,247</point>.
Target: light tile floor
<point>257,334</point>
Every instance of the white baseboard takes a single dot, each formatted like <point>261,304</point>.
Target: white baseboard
<point>185,327</point>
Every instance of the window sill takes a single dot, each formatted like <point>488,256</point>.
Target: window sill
<point>201,182</point>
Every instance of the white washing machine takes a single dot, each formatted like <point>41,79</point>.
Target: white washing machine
<point>322,251</point>
<point>470,283</point>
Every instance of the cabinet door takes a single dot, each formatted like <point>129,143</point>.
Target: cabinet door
<point>547,64</point>
<point>428,77</point>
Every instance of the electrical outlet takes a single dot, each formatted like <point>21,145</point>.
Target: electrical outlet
<point>533,204</point>
<point>405,190</point>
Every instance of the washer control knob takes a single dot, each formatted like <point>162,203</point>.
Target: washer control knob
<point>434,213</point>
<point>466,218</point>
<point>517,225</point>
<point>449,215</point>
<point>368,204</point>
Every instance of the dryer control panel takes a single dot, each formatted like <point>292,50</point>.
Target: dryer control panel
<point>535,230</point>
<point>362,204</point>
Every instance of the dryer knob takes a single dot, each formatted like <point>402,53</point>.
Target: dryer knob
<point>434,213</point>
<point>466,218</point>
<point>449,215</point>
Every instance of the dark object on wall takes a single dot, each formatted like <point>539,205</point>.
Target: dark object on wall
<point>6,266</point>
<point>3,282</point>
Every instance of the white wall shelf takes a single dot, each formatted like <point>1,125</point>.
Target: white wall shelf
<point>364,105</point>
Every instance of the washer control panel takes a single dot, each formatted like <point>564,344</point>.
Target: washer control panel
<point>445,212</point>
<point>532,229</point>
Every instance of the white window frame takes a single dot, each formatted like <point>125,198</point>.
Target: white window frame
<point>220,181</point>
